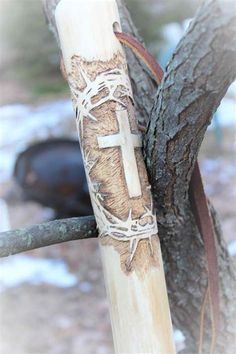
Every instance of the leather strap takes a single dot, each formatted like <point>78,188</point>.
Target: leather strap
<point>199,206</point>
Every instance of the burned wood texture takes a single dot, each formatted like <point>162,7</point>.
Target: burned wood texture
<point>46,234</point>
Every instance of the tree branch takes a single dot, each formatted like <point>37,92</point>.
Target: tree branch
<point>196,79</point>
<point>50,233</point>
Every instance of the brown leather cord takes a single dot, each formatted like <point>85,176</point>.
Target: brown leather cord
<point>202,215</point>
<point>200,209</point>
<point>142,53</point>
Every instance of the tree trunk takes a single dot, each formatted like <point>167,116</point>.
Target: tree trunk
<point>197,77</point>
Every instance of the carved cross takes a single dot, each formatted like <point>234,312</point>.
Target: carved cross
<point>127,141</point>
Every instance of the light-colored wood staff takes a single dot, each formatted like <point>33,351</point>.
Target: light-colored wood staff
<point>111,144</point>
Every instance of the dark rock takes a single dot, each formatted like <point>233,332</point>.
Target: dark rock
<point>52,173</point>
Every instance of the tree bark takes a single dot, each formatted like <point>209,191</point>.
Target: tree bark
<point>197,77</point>
<point>47,234</point>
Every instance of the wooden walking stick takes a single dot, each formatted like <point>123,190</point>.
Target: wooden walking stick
<point>121,197</point>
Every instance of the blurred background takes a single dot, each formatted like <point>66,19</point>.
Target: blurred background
<point>53,300</point>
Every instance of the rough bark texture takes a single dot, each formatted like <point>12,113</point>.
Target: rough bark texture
<point>197,77</point>
<point>41,235</point>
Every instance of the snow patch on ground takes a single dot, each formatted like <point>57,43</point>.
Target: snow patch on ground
<point>179,339</point>
<point>232,248</point>
<point>4,216</point>
<point>25,269</point>
<point>213,166</point>
<point>21,125</point>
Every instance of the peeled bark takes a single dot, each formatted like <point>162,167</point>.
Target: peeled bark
<point>197,77</point>
<point>116,174</point>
